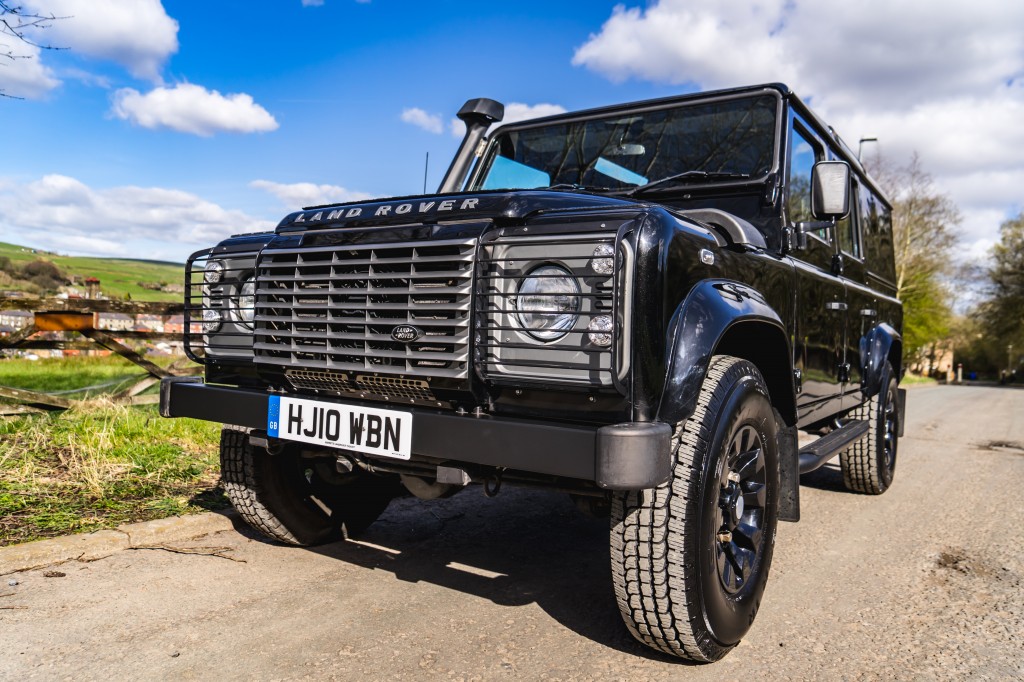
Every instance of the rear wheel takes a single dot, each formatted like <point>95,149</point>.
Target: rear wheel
<point>690,558</point>
<point>297,500</point>
<point>869,464</point>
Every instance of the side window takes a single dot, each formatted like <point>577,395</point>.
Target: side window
<point>847,228</point>
<point>886,263</point>
<point>876,227</point>
<point>804,151</point>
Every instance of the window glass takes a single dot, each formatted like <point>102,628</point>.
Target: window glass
<point>876,228</point>
<point>734,137</point>
<point>846,229</point>
<point>804,152</point>
<point>508,173</point>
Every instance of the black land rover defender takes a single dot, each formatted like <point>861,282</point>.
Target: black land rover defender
<point>641,304</point>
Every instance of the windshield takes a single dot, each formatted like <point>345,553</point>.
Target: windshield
<point>699,142</point>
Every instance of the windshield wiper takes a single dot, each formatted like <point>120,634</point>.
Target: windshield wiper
<point>572,186</point>
<point>687,176</point>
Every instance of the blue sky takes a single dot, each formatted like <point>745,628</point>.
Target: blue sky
<point>166,126</point>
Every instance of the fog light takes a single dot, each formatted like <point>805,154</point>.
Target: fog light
<point>214,271</point>
<point>599,331</point>
<point>603,262</point>
<point>211,320</point>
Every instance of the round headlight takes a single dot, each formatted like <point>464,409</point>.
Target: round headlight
<point>548,302</point>
<point>245,302</point>
<point>211,320</point>
<point>214,271</point>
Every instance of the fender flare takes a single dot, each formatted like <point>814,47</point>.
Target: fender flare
<point>698,325</point>
<point>875,347</point>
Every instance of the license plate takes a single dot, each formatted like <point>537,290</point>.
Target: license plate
<point>386,433</point>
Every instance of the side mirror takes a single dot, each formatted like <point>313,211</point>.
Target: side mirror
<point>830,190</point>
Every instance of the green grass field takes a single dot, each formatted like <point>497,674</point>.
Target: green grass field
<point>99,464</point>
<point>118,277</point>
<point>51,375</point>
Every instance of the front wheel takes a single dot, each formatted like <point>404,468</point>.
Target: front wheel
<point>690,558</point>
<point>297,500</point>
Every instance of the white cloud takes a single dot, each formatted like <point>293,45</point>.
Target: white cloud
<point>62,213</point>
<point>877,53</point>
<point>138,34</point>
<point>514,112</point>
<point>944,79</point>
<point>421,119</point>
<point>25,76</point>
<point>300,194</point>
<point>679,42</point>
<point>190,108</point>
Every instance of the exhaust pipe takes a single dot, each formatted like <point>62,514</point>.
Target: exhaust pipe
<point>478,115</point>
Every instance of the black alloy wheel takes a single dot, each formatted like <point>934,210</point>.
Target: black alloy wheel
<point>741,509</point>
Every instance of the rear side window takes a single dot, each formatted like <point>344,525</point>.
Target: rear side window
<point>876,226</point>
<point>846,229</point>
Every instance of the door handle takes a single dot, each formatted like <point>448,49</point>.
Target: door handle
<point>836,306</point>
<point>868,312</point>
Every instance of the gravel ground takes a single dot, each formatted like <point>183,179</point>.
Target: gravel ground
<point>923,582</point>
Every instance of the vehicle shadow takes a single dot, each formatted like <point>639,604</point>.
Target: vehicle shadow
<point>523,547</point>
<point>828,477</point>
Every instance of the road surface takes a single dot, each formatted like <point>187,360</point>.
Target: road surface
<point>923,582</point>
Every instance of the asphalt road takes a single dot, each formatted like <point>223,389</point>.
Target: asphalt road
<point>923,582</point>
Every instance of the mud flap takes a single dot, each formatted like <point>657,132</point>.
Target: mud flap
<point>789,474</point>
<point>901,407</point>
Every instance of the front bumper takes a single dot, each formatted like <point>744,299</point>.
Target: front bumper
<point>629,456</point>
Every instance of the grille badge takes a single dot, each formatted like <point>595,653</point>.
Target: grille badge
<point>406,333</point>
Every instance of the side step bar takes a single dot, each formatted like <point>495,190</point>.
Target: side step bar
<point>815,455</point>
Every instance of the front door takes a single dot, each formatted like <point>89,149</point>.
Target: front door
<point>821,293</point>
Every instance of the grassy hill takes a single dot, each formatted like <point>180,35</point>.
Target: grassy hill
<point>119,277</point>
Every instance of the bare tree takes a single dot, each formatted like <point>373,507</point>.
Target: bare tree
<point>924,223</point>
<point>16,25</point>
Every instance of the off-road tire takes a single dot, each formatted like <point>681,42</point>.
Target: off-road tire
<point>282,497</point>
<point>665,551</point>
<point>869,464</point>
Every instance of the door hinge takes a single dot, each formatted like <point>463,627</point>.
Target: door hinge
<point>798,380</point>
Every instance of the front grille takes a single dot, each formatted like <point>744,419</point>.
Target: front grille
<point>336,308</point>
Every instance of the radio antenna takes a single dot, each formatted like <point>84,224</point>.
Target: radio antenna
<point>426,165</point>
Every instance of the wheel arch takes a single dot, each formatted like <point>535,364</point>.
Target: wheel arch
<point>881,343</point>
<point>766,346</point>
<point>725,317</point>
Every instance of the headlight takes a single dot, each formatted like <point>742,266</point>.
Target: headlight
<point>214,271</point>
<point>548,302</point>
<point>245,302</point>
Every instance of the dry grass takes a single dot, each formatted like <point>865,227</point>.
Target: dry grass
<point>100,464</point>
